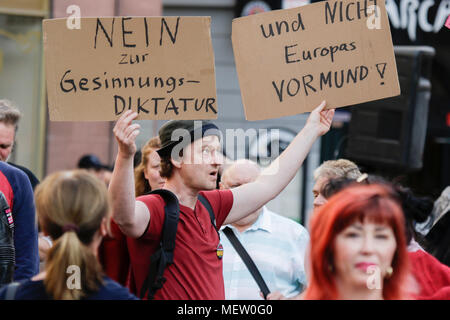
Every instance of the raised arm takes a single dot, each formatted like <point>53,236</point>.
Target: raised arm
<point>131,216</point>
<point>251,196</point>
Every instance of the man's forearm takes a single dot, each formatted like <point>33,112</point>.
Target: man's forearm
<point>122,192</point>
<point>273,179</point>
<point>283,169</point>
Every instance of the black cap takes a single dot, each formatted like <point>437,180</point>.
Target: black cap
<point>190,130</point>
<point>91,161</point>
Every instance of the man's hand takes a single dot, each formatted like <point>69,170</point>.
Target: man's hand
<point>44,246</point>
<point>277,295</point>
<point>320,119</point>
<point>126,134</point>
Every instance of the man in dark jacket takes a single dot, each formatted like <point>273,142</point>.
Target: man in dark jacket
<point>16,188</point>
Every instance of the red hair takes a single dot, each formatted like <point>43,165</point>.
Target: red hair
<point>375,203</point>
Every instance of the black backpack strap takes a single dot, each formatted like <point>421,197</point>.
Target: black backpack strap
<point>6,217</point>
<point>251,266</point>
<point>7,248</point>
<point>163,256</point>
<point>208,207</point>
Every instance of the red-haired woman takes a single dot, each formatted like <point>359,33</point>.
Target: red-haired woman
<point>358,247</point>
<point>146,174</point>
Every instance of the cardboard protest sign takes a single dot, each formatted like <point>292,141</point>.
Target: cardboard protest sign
<point>288,61</point>
<point>161,67</point>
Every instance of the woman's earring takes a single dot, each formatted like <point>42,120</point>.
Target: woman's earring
<point>389,272</point>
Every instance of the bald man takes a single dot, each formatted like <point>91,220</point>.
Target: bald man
<point>276,244</point>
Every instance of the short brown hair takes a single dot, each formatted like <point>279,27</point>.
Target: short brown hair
<point>166,167</point>
<point>166,170</point>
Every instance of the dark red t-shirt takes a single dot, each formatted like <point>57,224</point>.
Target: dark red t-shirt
<point>196,273</point>
<point>432,276</point>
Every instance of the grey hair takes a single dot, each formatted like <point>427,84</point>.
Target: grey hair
<point>9,114</point>
<point>341,168</point>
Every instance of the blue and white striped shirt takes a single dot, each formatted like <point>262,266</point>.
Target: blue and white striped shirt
<point>277,245</point>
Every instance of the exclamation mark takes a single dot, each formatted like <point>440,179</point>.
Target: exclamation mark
<point>381,71</point>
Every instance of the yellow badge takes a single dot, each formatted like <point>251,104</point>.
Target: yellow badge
<point>219,251</point>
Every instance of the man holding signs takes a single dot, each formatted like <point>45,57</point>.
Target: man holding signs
<point>163,68</point>
<point>197,269</point>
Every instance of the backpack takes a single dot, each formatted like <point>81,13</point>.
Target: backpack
<point>162,257</point>
<point>7,249</point>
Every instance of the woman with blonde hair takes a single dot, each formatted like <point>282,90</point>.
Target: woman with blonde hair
<point>73,209</point>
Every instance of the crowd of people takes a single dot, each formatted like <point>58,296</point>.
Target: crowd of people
<point>161,225</point>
